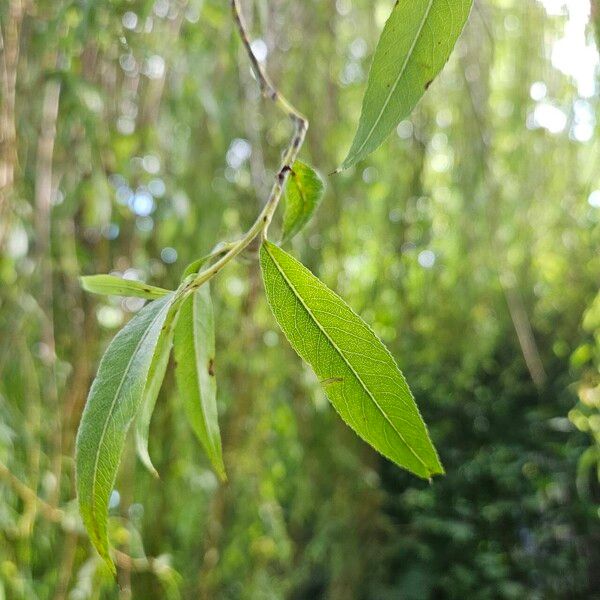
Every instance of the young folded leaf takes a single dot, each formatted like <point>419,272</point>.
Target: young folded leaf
<point>109,285</point>
<point>112,403</point>
<point>195,372</point>
<point>156,376</point>
<point>195,266</point>
<point>359,375</point>
<point>414,47</point>
<point>303,194</point>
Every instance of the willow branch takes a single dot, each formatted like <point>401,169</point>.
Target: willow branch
<point>300,123</point>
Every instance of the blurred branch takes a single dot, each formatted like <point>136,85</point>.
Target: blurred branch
<point>157,566</point>
<point>300,122</point>
<point>152,99</point>
<point>522,325</point>
<point>27,495</point>
<point>9,49</point>
<point>260,179</point>
<point>44,190</point>
<point>481,10</point>
<point>43,196</point>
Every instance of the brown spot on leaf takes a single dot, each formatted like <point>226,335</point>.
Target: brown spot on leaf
<point>428,84</point>
<point>211,367</point>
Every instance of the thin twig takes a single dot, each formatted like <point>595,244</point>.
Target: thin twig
<point>300,122</point>
<point>260,179</point>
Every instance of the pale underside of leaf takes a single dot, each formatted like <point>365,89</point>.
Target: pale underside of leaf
<point>303,194</point>
<point>195,372</point>
<point>156,376</point>
<point>109,285</point>
<point>112,403</point>
<point>415,44</point>
<point>359,375</point>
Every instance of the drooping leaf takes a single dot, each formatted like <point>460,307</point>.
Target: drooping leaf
<point>154,382</point>
<point>109,285</point>
<point>303,193</point>
<point>357,372</point>
<point>195,372</point>
<point>414,47</point>
<point>112,403</point>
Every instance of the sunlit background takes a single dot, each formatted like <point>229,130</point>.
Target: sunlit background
<point>133,138</point>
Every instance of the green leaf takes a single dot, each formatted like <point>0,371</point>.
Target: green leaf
<point>195,266</point>
<point>357,372</point>
<point>109,285</point>
<point>156,376</point>
<point>195,372</point>
<point>415,45</point>
<point>112,403</point>
<point>303,194</point>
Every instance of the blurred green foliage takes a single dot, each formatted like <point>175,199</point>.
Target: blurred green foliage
<point>135,139</point>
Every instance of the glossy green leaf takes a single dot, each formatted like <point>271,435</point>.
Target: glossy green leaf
<point>357,372</point>
<point>195,372</point>
<point>303,194</point>
<point>414,47</point>
<point>109,285</point>
<point>154,382</point>
<point>112,403</point>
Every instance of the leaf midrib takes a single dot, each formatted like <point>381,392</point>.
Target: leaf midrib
<point>112,406</point>
<point>400,75</point>
<point>335,346</point>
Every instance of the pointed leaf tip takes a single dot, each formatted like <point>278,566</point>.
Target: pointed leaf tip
<point>358,374</point>
<point>415,44</point>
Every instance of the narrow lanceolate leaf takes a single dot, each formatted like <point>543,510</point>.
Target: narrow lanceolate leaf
<point>112,403</point>
<point>154,382</point>
<point>415,44</point>
<point>195,372</point>
<point>357,372</point>
<point>303,194</point>
<point>109,285</point>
